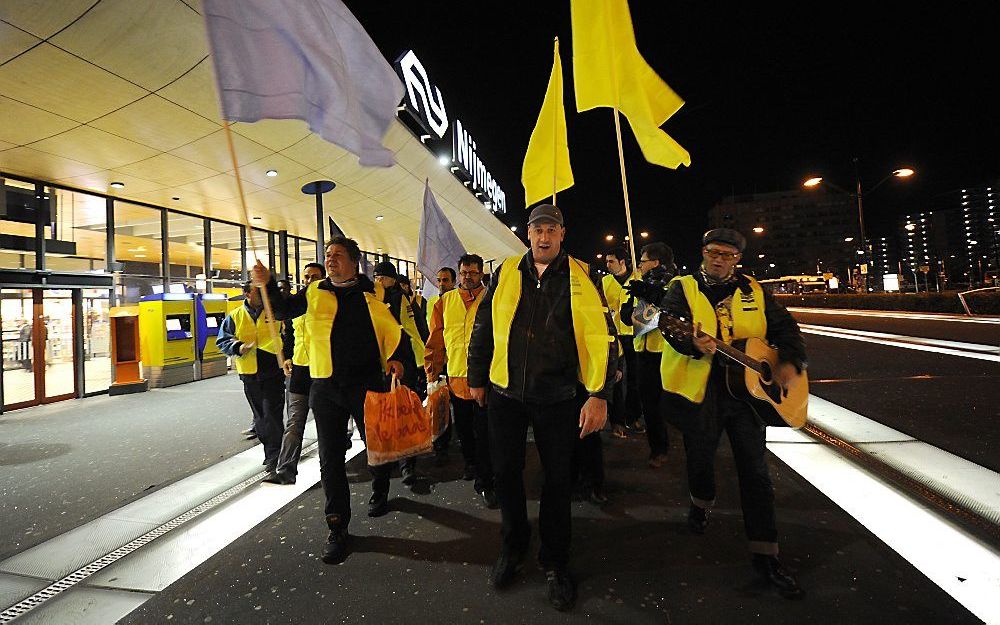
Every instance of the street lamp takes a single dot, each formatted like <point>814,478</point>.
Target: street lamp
<point>815,181</point>
<point>758,229</point>
<point>610,237</point>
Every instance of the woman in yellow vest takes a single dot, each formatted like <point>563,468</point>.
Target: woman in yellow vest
<point>452,320</point>
<point>543,347</point>
<point>727,305</point>
<point>353,342</point>
<point>255,350</point>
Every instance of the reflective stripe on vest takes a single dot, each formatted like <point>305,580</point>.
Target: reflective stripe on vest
<point>616,295</point>
<point>256,332</point>
<point>321,310</point>
<point>458,323</point>
<point>687,376</point>
<point>300,350</point>
<point>590,328</point>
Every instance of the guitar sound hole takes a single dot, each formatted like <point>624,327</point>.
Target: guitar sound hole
<point>766,375</point>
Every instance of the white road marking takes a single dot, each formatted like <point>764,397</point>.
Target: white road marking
<point>951,348</point>
<point>895,314</point>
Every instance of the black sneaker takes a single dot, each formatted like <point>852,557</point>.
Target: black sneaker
<point>469,473</point>
<point>490,499</point>
<point>335,550</point>
<point>378,505</point>
<point>697,519</point>
<point>280,477</point>
<point>562,589</point>
<point>506,567</point>
<point>771,569</point>
<point>409,475</point>
<point>637,427</point>
<point>597,496</point>
<point>249,434</point>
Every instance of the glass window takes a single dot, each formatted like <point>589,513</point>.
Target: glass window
<point>17,225</point>
<point>186,253</point>
<point>257,248</point>
<point>137,247</point>
<point>96,340</point>
<point>289,263</point>
<point>226,254</point>
<point>307,252</point>
<point>76,239</point>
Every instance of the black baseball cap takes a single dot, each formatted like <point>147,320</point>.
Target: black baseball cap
<point>545,212</point>
<point>385,268</point>
<point>725,235</point>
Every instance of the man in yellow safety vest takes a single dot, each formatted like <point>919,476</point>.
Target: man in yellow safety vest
<point>353,342</point>
<point>542,353</point>
<point>448,345</point>
<point>253,346</point>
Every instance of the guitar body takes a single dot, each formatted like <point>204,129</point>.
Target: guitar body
<point>774,405</point>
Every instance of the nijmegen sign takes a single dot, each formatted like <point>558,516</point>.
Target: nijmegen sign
<point>424,103</point>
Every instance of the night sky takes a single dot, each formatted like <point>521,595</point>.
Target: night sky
<point>774,92</point>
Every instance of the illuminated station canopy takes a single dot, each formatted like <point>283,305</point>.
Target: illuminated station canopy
<point>123,91</point>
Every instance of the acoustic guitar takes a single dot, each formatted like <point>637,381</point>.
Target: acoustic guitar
<point>753,382</point>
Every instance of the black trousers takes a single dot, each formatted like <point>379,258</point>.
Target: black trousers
<point>746,438</point>
<point>588,460</point>
<point>633,403</point>
<point>556,430</point>
<point>267,403</point>
<point>472,425</point>
<point>332,406</point>
<point>650,388</point>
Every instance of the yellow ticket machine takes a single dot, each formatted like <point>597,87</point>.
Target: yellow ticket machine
<point>167,338</point>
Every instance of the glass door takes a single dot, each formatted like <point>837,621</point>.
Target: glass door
<point>17,318</point>
<point>39,340</point>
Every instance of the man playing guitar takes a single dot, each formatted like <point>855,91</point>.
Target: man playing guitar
<point>725,305</point>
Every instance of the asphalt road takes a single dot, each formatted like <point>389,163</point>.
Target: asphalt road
<point>951,402</point>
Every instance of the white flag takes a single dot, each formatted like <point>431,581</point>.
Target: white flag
<point>438,246</point>
<point>309,60</point>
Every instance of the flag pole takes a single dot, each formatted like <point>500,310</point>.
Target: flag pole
<point>268,314</point>
<point>555,118</point>
<point>621,163</point>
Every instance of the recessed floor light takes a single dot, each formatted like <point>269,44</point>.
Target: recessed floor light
<point>379,217</point>
<point>117,185</point>
<point>175,198</point>
<point>271,173</point>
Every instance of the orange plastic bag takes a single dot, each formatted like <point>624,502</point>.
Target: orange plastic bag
<point>396,425</point>
<point>438,407</point>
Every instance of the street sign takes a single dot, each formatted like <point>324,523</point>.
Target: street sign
<point>925,268</point>
<point>864,268</point>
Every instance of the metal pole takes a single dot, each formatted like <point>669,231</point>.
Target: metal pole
<point>320,248</point>
<point>861,223</point>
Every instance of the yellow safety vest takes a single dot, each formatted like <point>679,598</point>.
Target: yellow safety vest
<point>321,310</point>
<point>300,351</point>
<point>687,376</point>
<point>649,342</point>
<point>458,323</point>
<point>590,328</point>
<point>256,332</point>
<point>616,295</point>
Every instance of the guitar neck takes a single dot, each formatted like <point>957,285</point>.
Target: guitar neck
<point>734,354</point>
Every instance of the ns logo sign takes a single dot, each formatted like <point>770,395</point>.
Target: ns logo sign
<point>422,98</point>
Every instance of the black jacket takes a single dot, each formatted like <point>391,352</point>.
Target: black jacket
<point>542,352</point>
<point>353,347</point>
<point>782,330</point>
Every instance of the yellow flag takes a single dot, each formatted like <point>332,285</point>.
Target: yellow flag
<point>546,170</point>
<point>609,71</point>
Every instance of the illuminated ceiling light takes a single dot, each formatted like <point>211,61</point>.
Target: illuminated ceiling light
<point>904,172</point>
<point>513,228</point>
<point>271,173</point>
<point>758,229</point>
<point>644,234</point>
<point>379,217</point>
<point>812,182</point>
<point>117,185</point>
<point>444,160</point>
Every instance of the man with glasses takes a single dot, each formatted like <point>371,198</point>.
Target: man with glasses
<point>450,330</point>
<point>727,305</point>
<point>625,407</point>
